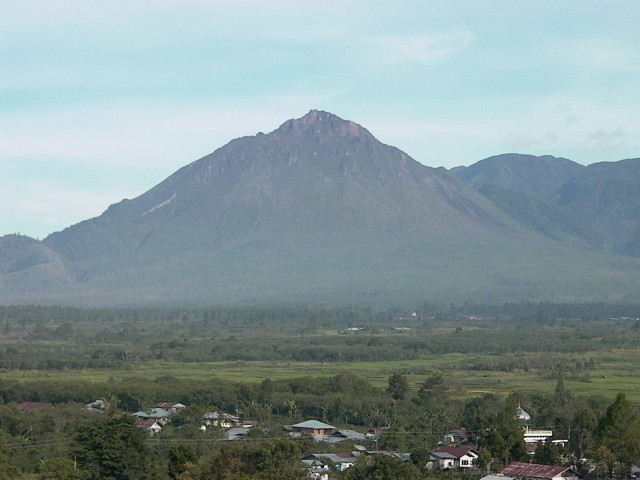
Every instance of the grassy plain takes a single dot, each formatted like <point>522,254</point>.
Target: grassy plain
<point>616,371</point>
<point>596,348</point>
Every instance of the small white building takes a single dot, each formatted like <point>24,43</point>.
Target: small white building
<point>535,436</point>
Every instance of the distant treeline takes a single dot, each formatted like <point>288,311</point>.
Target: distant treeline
<point>53,338</point>
<point>329,315</point>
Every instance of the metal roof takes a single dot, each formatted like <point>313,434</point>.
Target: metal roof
<point>456,452</point>
<point>313,424</point>
<point>521,469</point>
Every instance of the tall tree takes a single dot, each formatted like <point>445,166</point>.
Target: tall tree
<point>547,453</point>
<point>505,438</point>
<point>114,448</point>
<point>583,430</point>
<point>398,386</point>
<point>434,390</point>
<point>180,455</point>
<point>619,431</point>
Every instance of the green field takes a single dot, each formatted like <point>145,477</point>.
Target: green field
<point>616,371</point>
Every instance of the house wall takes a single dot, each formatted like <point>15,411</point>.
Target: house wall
<point>466,461</point>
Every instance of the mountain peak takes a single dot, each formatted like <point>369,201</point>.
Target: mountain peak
<point>321,122</point>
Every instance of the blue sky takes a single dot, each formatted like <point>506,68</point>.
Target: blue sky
<point>100,101</point>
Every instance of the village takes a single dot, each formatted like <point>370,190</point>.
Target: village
<point>336,449</point>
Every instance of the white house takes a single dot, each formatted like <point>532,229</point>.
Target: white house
<point>446,458</point>
<point>226,420</point>
<point>327,461</point>
<point>151,426</point>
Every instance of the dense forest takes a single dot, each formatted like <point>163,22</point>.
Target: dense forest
<point>55,356</point>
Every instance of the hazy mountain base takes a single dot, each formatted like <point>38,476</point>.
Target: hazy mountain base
<point>448,271</point>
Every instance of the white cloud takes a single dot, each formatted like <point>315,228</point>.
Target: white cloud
<point>421,48</point>
<point>37,207</point>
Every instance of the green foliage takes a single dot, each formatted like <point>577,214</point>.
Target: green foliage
<point>180,456</point>
<point>434,391</point>
<point>57,468</point>
<point>619,431</point>
<point>420,456</point>
<point>398,386</point>
<point>8,471</point>
<point>547,454</point>
<point>275,460</point>
<point>583,431</point>
<point>113,448</point>
<point>382,467</point>
<point>431,366</point>
<point>505,438</point>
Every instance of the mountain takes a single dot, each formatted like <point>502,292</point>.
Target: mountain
<point>315,178</point>
<point>598,205</point>
<point>529,174</point>
<point>543,216</point>
<point>27,266</point>
<point>607,195</point>
<point>316,211</point>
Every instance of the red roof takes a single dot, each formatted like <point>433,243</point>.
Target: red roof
<point>455,451</point>
<point>521,469</point>
<point>344,455</point>
<point>146,423</point>
<point>30,406</point>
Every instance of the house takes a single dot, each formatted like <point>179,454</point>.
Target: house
<point>457,437</point>
<point>97,406</point>
<point>172,408</point>
<point>342,435</point>
<point>226,420</point>
<point>533,471</point>
<point>533,437</point>
<point>314,428</point>
<point>446,458</point>
<point>316,469</point>
<point>151,426</point>
<point>236,433</point>
<point>374,433</point>
<point>160,415</point>
<point>327,461</point>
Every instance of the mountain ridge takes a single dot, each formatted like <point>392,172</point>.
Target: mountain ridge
<point>318,210</point>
